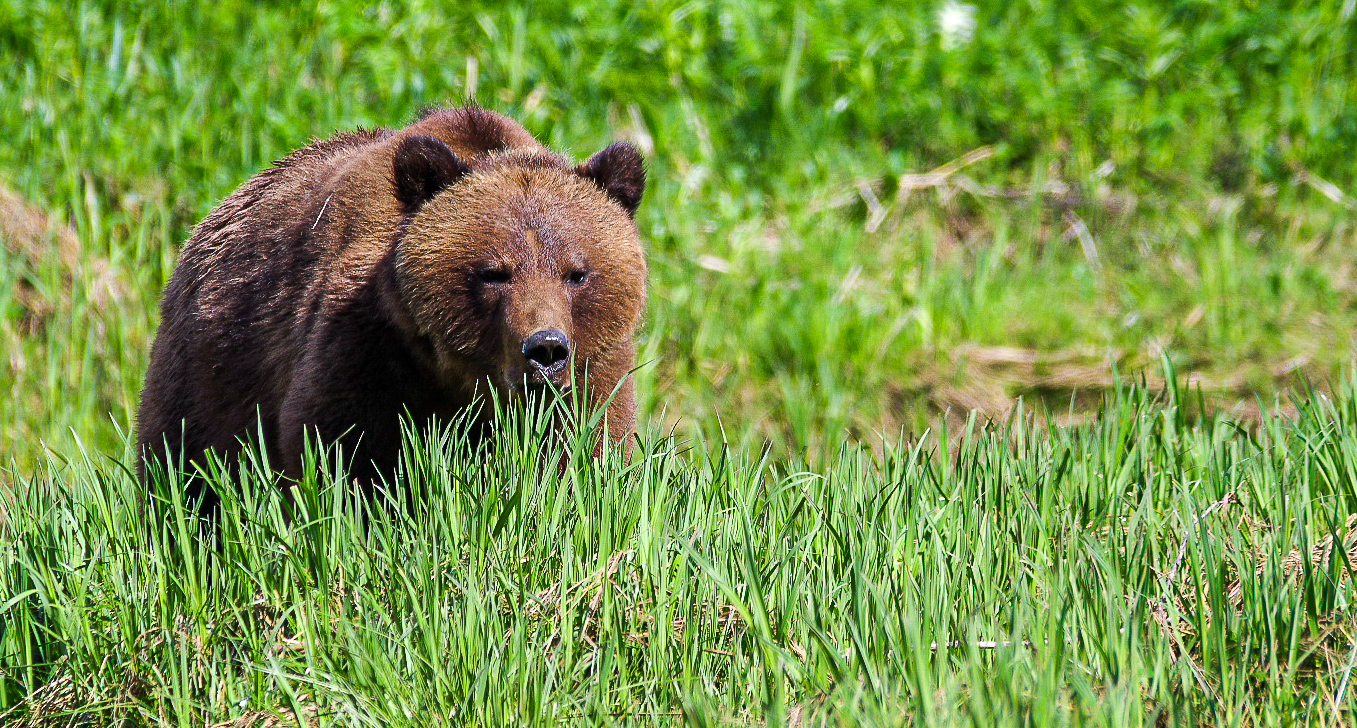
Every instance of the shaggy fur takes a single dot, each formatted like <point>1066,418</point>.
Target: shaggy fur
<point>380,272</point>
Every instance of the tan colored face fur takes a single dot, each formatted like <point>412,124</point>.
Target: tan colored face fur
<point>509,251</point>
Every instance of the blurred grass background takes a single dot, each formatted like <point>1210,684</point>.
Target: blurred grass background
<point>1145,179</point>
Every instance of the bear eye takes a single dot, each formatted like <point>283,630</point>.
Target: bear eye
<point>494,276</point>
<point>576,277</point>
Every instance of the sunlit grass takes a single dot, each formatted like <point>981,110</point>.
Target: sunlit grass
<point>1133,570</point>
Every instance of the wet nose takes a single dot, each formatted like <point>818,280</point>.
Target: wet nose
<point>547,350</point>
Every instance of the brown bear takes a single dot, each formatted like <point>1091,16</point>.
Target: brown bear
<point>379,273</point>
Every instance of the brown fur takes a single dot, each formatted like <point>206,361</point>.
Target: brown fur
<point>379,272</point>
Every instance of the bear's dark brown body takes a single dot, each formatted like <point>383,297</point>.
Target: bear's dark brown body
<point>383,272</point>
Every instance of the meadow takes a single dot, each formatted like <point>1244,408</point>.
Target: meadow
<point>997,372</point>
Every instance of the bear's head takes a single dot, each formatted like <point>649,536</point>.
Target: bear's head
<point>520,270</point>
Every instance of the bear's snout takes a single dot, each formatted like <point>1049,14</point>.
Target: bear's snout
<point>547,351</point>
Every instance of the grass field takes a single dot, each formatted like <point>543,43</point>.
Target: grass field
<point>868,236</point>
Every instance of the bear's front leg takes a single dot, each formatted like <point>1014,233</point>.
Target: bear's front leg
<point>349,392</point>
<point>611,387</point>
<point>362,429</point>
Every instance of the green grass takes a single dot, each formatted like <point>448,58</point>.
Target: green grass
<point>1149,189</point>
<point>1136,570</point>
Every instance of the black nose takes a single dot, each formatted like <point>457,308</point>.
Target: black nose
<point>547,350</point>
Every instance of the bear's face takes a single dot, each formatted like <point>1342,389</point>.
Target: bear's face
<point>522,268</point>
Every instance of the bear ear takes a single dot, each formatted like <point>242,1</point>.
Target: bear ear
<point>423,167</point>
<point>619,172</point>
